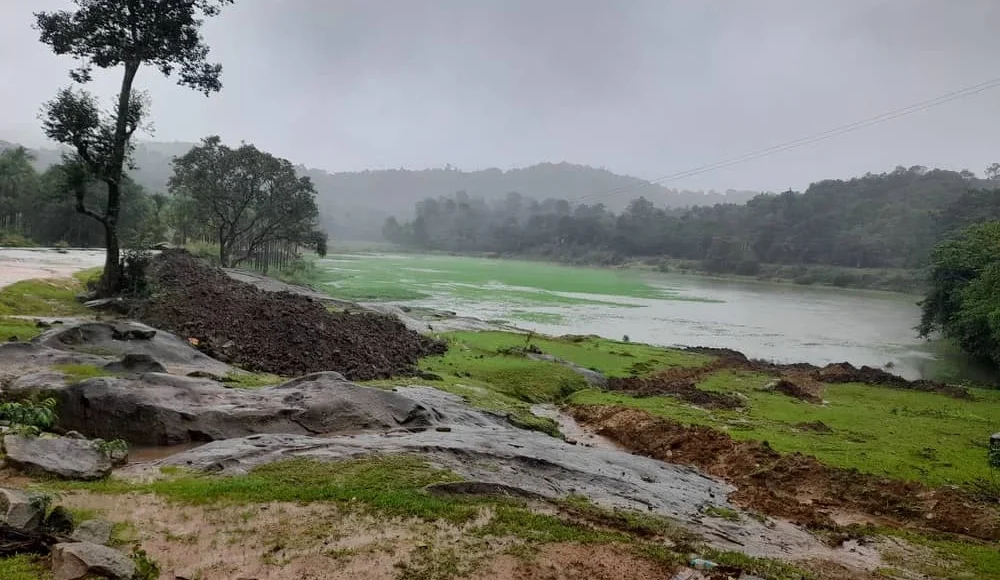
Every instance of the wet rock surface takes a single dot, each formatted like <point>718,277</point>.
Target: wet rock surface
<point>80,560</point>
<point>17,510</point>
<point>499,458</point>
<point>93,532</point>
<point>136,347</point>
<point>57,456</point>
<point>161,409</point>
<point>277,332</point>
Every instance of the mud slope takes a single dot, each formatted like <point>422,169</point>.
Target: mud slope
<point>277,332</point>
<point>793,486</point>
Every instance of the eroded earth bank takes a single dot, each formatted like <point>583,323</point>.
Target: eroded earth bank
<point>215,430</point>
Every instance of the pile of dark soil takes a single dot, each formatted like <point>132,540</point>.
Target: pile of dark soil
<point>679,383</point>
<point>802,381</point>
<point>275,332</point>
<point>793,486</point>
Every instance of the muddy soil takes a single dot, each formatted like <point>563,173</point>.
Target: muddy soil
<point>277,332</point>
<point>801,381</point>
<point>793,486</point>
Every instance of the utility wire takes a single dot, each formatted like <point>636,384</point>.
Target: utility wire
<point>815,138</point>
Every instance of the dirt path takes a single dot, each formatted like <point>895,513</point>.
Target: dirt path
<point>18,264</point>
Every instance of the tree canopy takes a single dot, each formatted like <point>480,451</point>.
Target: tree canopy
<point>883,220</point>
<point>164,34</point>
<point>964,298</point>
<point>247,197</point>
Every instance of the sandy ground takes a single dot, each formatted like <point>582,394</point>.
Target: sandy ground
<point>18,264</point>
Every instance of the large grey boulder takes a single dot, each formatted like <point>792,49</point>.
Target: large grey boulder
<point>122,338</point>
<point>76,561</point>
<point>17,510</point>
<point>161,409</point>
<point>93,531</point>
<point>59,456</point>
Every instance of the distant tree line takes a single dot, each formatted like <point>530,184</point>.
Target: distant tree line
<point>887,220</point>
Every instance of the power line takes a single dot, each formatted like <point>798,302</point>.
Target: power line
<point>809,140</point>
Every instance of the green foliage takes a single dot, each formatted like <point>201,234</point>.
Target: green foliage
<point>964,299</point>
<point>35,416</point>
<point>889,220</point>
<point>145,567</point>
<point>23,567</point>
<point>111,34</point>
<point>275,205</point>
<point>870,427</point>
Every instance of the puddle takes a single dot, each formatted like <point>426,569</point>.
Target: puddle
<point>146,454</point>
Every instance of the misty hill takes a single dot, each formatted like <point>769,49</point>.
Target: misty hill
<point>354,205</point>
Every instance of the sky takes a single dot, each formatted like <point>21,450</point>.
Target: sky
<point>644,87</point>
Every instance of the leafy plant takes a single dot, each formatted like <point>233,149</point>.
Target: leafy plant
<point>146,568</point>
<point>33,416</point>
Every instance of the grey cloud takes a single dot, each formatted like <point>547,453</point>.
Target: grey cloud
<point>647,87</point>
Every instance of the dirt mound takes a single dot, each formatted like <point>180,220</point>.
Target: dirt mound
<point>802,381</point>
<point>793,486</point>
<point>678,386</point>
<point>275,332</point>
<point>848,373</point>
<point>802,388</point>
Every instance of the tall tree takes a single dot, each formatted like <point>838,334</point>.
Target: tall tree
<point>249,198</point>
<point>108,34</point>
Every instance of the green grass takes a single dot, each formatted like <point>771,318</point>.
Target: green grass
<point>906,435</point>
<point>475,368</point>
<point>23,567</point>
<point>946,558</point>
<point>544,528</point>
<point>81,372</point>
<point>248,380</point>
<point>610,357</point>
<point>539,317</point>
<point>17,329</point>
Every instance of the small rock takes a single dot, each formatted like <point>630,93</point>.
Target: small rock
<point>571,441</point>
<point>62,457</point>
<point>94,532</point>
<point>18,511</point>
<point>104,304</point>
<point>85,297</point>
<point>59,521</point>
<point>443,429</point>
<point>76,561</point>
<point>42,324</point>
<point>136,363</point>
<point>74,435</point>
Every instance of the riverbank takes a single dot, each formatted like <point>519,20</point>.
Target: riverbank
<point>481,483</point>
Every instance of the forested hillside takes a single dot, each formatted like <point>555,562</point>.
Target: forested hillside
<point>888,220</point>
<point>354,205</point>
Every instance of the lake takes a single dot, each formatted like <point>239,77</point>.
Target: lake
<point>778,322</point>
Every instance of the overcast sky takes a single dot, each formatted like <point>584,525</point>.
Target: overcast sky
<point>645,87</point>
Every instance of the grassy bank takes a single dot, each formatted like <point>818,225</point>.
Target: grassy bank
<point>909,435</point>
<point>40,297</point>
<point>495,371</point>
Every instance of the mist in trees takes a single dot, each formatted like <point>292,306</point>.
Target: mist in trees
<point>111,34</point>
<point>891,219</point>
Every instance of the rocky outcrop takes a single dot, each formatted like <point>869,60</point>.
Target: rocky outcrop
<point>123,338</point>
<point>17,510</point>
<point>93,532</point>
<point>76,561</point>
<point>160,409</point>
<point>59,456</point>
